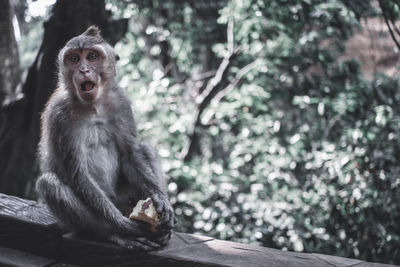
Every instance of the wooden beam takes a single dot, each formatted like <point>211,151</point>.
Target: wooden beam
<point>27,226</point>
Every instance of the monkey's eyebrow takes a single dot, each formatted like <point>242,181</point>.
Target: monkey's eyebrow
<point>100,50</point>
<point>72,50</point>
<point>69,52</point>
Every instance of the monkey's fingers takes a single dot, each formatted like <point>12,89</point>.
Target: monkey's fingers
<point>163,240</point>
<point>158,203</point>
<point>164,222</point>
<point>161,231</point>
<point>167,222</point>
<point>162,206</point>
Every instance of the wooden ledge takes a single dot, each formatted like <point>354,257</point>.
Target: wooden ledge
<point>30,234</point>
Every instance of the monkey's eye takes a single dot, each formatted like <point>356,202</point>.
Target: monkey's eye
<point>74,58</point>
<point>92,56</point>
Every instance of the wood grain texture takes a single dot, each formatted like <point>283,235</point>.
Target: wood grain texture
<point>27,226</point>
<point>11,257</point>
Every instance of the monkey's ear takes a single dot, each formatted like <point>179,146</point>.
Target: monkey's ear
<point>117,58</point>
<point>92,31</point>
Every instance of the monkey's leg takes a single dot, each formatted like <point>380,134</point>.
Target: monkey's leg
<point>70,211</point>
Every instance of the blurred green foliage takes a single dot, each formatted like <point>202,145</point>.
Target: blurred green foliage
<point>302,154</point>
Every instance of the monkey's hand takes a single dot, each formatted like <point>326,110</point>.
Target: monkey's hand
<point>162,205</point>
<point>161,238</point>
<point>141,231</point>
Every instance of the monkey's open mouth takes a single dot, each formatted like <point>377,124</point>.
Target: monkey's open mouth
<point>87,86</point>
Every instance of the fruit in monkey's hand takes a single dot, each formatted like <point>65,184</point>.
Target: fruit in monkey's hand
<point>146,212</point>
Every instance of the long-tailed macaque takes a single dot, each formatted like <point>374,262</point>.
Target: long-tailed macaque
<point>93,167</point>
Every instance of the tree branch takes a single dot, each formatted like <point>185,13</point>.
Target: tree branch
<point>203,76</point>
<point>238,78</point>
<point>383,8</point>
<point>212,89</point>
<point>230,36</point>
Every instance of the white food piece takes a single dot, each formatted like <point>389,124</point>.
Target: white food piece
<point>146,212</point>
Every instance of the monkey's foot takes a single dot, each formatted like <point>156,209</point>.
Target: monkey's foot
<point>136,244</point>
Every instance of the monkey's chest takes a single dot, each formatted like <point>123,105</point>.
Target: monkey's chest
<point>102,157</point>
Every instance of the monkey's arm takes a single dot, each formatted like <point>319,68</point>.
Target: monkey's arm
<point>141,167</point>
<point>140,164</point>
<point>95,199</point>
<point>142,170</point>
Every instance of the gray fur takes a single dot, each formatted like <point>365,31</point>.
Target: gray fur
<point>93,168</point>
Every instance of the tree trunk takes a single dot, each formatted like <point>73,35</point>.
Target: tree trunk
<point>9,66</point>
<point>18,144</point>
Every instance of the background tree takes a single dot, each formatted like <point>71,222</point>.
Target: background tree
<point>9,69</point>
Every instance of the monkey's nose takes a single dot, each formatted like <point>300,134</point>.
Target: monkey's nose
<point>84,70</point>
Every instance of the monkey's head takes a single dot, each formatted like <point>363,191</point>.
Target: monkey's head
<point>87,65</point>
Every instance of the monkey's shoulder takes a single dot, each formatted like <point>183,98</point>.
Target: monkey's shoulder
<point>57,108</point>
<point>119,100</point>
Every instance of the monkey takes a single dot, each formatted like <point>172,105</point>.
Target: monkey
<point>93,168</point>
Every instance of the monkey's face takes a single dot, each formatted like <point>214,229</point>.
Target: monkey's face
<point>87,66</point>
<point>84,67</point>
